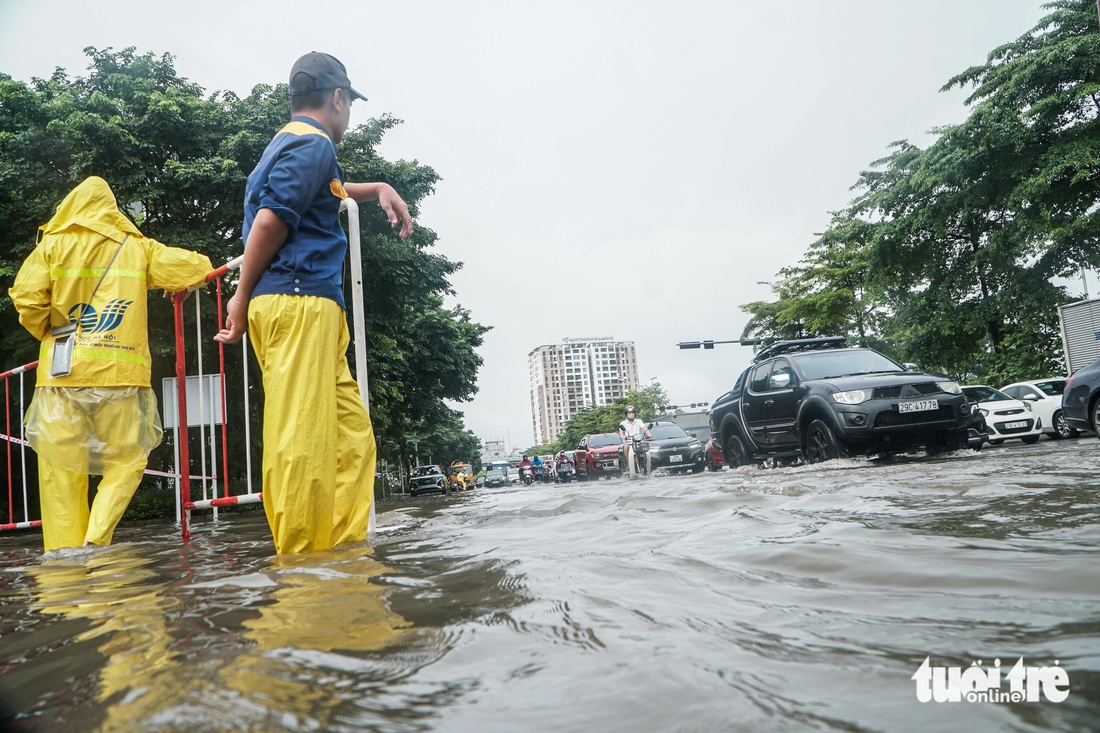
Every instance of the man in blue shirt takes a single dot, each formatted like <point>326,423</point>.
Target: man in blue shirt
<point>319,447</point>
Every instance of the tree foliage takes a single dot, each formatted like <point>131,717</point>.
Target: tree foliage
<point>177,160</point>
<point>606,418</point>
<point>949,255</point>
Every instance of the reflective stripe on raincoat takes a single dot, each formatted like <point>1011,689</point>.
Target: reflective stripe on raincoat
<point>56,282</point>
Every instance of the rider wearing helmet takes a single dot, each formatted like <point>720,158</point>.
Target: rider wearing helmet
<point>629,429</point>
<point>562,460</point>
<point>563,467</point>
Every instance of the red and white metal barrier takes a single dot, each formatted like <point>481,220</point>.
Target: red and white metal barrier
<point>9,438</point>
<point>211,412</point>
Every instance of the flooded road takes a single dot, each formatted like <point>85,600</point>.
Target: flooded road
<point>792,599</point>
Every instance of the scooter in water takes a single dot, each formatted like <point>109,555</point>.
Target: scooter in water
<point>565,472</point>
<point>531,474</point>
<point>639,454</point>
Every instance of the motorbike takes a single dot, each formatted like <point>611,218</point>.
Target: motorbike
<point>565,472</point>
<point>640,457</point>
<point>531,474</point>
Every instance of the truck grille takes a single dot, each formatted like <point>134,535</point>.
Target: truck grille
<point>893,419</point>
<point>905,390</point>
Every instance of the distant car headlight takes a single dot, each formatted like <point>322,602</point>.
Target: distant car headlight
<point>949,387</point>
<point>852,397</point>
<point>1027,405</point>
<point>695,444</point>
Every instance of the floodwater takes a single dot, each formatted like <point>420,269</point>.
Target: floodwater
<point>791,599</point>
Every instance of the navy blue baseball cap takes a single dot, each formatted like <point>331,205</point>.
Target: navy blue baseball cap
<point>316,71</point>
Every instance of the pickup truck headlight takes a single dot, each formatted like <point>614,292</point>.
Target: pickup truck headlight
<point>852,397</point>
<point>949,387</point>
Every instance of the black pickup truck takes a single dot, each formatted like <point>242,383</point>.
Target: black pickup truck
<point>818,399</point>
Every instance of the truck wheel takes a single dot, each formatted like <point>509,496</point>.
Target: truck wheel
<point>821,443</point>
<point>735,452</point>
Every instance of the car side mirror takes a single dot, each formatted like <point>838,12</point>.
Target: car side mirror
<point>1030,397</point>
<point>780,380</point>
<point>910,367</point>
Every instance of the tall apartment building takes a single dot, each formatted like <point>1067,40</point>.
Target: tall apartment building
<point>575,374</point>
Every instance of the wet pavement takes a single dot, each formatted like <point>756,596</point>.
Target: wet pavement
<point>789,599</point>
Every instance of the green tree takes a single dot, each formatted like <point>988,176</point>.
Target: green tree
<point>444,440</point>
<point>960,243</point>
<point>606,418</point>
<point>831,292</point>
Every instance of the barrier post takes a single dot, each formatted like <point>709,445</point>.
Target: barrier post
<point>182,448</point>
<point>358,317</point>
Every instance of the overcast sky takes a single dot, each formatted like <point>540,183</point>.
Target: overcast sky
<point>610,168</point>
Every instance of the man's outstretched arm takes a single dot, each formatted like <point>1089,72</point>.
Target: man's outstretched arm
<point>397,211</point>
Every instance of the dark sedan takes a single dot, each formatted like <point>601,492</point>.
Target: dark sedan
<point>671,448</point>
<point>1081,399</point>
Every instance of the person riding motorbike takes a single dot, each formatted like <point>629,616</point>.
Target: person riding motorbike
<point>563,466</point>
<point>538,469</point>
<point>629,429</point>
<point>525,467</point>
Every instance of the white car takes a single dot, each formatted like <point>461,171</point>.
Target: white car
<point>1045,396</point>
<point>1005,417</point>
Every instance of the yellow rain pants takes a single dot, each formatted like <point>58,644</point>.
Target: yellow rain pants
<point>81,430</point>
<point>319,449</point>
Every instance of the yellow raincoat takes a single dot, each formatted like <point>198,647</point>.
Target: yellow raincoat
<point>102,417</point>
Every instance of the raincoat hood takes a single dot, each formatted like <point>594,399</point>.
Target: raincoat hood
<point>90,205</point>
<point>92,268</point>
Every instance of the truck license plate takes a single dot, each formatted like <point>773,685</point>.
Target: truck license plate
<point>920,406</point>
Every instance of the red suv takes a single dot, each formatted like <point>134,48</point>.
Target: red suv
<point>598,455</point>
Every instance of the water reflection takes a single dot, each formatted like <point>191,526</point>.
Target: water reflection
<point>119,603</point>
<point>307,653</point>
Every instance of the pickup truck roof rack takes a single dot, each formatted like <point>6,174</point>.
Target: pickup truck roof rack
<point>814,344</point>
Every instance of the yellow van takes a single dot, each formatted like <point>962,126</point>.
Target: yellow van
<point>462,476</point>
